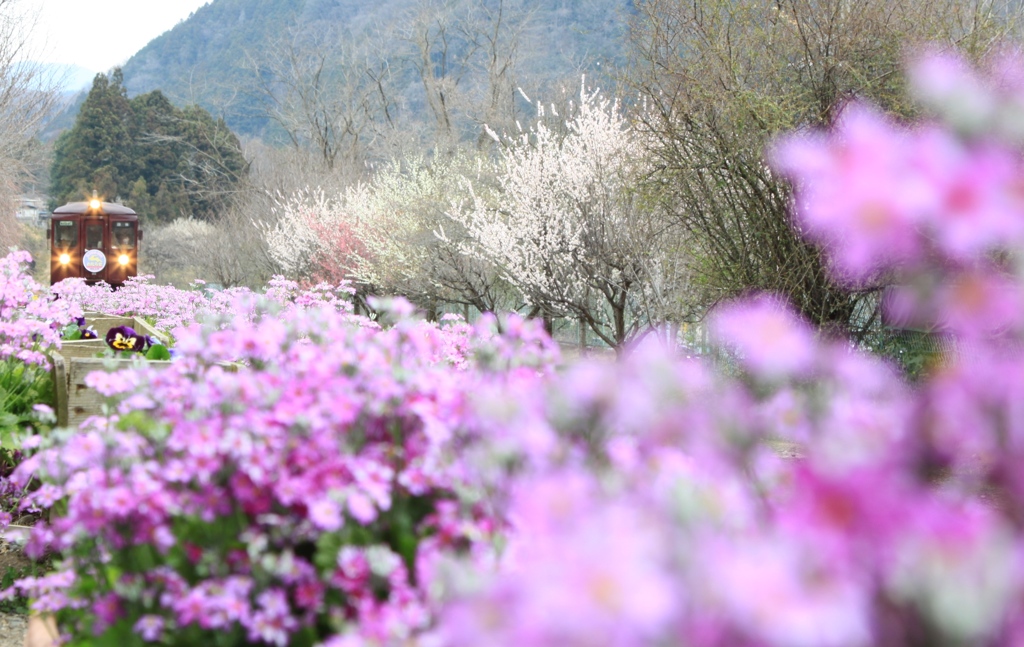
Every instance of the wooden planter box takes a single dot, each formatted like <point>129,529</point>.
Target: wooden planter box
<point>76,359</point>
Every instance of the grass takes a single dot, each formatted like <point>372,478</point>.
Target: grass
<point>15,565</point>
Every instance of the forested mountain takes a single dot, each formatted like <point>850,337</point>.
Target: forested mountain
<point>229,56</point>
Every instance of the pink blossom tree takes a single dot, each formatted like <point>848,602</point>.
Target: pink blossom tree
<point>392,236</point>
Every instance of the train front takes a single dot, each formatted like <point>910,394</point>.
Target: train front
<point>94,240</point>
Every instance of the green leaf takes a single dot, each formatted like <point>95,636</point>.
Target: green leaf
<point>113,574</point>
<point>119,635</point>
<point>328,545</point>
<point>10,438</point>
<point>306,637</point>
<point>158,352</point>
<point>140,558</point>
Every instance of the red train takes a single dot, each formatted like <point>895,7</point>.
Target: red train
<point>94,240</point>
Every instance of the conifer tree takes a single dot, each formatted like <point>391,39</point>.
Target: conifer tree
<point>164,161</point>
<point>98,147</point>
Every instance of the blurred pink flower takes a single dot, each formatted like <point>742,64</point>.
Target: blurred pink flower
<point>858,192</point>
<point>770,339</point>
<point>978,203</point>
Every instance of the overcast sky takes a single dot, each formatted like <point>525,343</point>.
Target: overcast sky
<point>99,34</point>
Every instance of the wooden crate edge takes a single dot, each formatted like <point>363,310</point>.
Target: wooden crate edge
<point>141,325</point>
<point>60,387</point>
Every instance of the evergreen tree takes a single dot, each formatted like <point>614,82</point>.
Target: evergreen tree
<point>212,162</point>
<point>168,204</point>
<point>166,162</point>
<point>139,198</point>
<point>157,147</point>
<point>99,148</point>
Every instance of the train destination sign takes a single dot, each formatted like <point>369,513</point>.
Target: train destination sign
<point>94,260</point>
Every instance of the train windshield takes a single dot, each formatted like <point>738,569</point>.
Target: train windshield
<point>94,236</point>
<point>65,234</point>
<point>124,235</point>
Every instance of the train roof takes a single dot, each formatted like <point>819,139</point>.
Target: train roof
<point>109,208</point>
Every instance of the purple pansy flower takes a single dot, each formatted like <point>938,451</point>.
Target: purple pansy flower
<point>123,338</point>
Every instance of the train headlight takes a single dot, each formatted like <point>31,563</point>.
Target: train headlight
<point>64,259</point>
<point>123,259</point>
<point>94,204</point>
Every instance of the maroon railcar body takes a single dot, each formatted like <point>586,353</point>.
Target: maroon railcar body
<point>94,240</point>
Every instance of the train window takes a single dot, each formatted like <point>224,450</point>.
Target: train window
<point>66,235</point>
<point>124,235</point>
<point>93,236</point>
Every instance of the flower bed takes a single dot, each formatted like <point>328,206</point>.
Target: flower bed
<point>311,492</point>
<point>75,400</point>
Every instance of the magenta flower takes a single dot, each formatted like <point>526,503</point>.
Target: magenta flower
<point>782,590</point>
<point>858,192</point>
<point>978,204</point>
<point>980,303</point>
<point>771,341</point>
<point>326,514</point>
<point>150,627</point>
<point>945,83</point>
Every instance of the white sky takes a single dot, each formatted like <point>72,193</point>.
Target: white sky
<point>99,34</point>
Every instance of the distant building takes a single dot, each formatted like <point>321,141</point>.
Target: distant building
<point>31,209</point>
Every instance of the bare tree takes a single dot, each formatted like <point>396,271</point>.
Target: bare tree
<point>328,94</point>
<point>28,96</point>
<point>242,258</point>
<point>465,55</point>
<point>175,253</point>
<point>721,78</point>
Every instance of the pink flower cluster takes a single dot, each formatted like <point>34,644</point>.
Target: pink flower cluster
<point>169,307</point>
<point>30,321</point>
<point>287,475</point>
<point>880,197</point>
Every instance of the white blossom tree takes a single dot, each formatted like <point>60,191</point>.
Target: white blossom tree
<point>391,235</point>
<point>412,245</point>
<point>292,241</point>
<point>568,226</point>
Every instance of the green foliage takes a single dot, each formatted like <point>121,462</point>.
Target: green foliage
<point>14,565</point>
<point>22,386</point>
<point>166,162</point>
<point>914,352</point>
<point>16,604</point>
<point>158,352</point>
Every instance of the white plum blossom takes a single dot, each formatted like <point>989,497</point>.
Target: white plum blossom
<point>567,225</point>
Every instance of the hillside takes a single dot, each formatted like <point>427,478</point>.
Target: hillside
<point>211,57</point>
